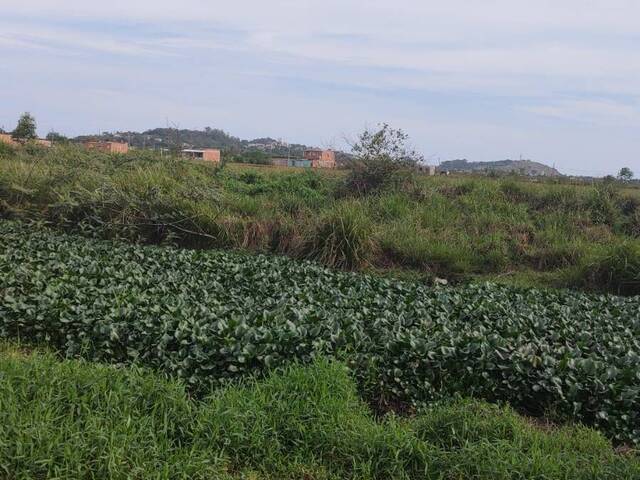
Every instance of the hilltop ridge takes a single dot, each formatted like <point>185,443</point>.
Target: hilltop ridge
<point>522,167</point>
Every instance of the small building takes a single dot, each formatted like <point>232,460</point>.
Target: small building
<point>280,161</point>
<point>8,139</point>
<point>107,147</point>
<point>320,158</point>
<point>208,154</point>
<point>426,169</point>
<point>291,162</point>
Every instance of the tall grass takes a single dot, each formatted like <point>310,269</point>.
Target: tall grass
<point>75,420</point>
<point>342,237</point>
<point>459,228</point>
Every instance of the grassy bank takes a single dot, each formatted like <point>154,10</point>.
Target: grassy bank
<point>76,420</point>
<point>213,316</point>
<point>508,230</point>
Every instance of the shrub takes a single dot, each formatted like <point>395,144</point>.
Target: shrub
<point>616,269</point>
<point>381,159</point>
<point>341,238</point>
<point>602,206</point>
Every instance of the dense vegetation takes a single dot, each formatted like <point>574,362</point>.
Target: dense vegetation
<point>73,420</point>
<point>210,316</point>
<point>458,228</point>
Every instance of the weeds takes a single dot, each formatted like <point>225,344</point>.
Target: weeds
<point>456,228</point>
<point>72,420</point>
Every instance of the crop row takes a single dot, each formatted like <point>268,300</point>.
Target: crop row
<point>211,316</point>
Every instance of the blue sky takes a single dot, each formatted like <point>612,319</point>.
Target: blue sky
<point>557,82</point>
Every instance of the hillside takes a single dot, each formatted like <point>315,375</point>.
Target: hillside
<point>520,167</point>
<point>208,138</point>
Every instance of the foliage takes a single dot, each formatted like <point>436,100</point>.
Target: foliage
<point>26,128</point>
<point>615,269</point>
<point>253,156</point>
<point>56,137</point>
<point>342,238</point>
<point>208,317</point>
<point>625,174</point>
<point>71,420</point>
<point>380,159</point>
<point>459,228</point>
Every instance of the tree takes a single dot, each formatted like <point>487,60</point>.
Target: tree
<point>625,174</point>
<point>26,128</point>
<point>56,137</point>
<point>381,158</point>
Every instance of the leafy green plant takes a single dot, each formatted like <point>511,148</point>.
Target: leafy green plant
<point>208,317</point>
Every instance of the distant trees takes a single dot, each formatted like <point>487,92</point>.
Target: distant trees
<point>56,137</point>
<point>381,158</point>
<point>26,128</point>
<point>625,174</point>
<point>253,156</point>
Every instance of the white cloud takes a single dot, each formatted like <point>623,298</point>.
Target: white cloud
<point>603,112</point>
<point>426,65</point>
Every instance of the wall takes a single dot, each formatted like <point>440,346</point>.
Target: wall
<point>6,138</point>
<point>321,158</point>
<point>107,147</point>
<point>211,155</point>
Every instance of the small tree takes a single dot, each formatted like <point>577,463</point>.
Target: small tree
<point>26,128</point>
<point>381,158</point>
<point>625,174</point>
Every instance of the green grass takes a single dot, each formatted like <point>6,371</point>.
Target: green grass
<point>77,420</point>
<point>459,228</point>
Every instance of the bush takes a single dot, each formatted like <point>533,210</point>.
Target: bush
<point>616,269</point>
<point>381,160</point>
<point>602,205</point>
<point>341,238</point>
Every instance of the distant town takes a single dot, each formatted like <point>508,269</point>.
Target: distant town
<point>212,144</point>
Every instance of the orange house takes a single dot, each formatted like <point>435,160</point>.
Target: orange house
<point>107,147</point>
<point>208,154</point>
<point>8,139</point>
<point>321,158</point>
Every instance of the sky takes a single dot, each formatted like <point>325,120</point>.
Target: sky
<point>552,81</point>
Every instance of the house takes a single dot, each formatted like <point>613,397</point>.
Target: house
<point>280,161</point>
<point>291,162</point>
<point>426,169</point>
<point>107,147</point>
<point>320,158</point>
<point>8,139</point>
<point>208,154</point>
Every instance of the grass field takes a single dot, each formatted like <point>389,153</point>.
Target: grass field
<point>508,230</point>
<point>76,420</point>
<point>216,361</point>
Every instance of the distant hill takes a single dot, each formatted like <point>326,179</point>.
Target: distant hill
<point>521,167</point>
<point>207,138</point>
